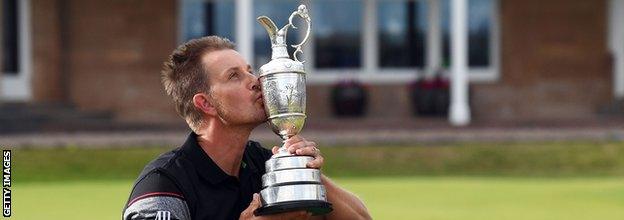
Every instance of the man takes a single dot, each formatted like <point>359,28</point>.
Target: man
<point>216,173</point>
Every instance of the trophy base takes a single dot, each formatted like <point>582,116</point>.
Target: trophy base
<point>314,207</point>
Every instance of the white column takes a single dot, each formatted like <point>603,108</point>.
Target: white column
<point>370,39</point>
<point>616,45</point>
<point>434,41</point>
<point>244,29</point>
<point>459,111</point>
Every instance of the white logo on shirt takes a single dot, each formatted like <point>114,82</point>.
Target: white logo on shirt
<point>163,215</point>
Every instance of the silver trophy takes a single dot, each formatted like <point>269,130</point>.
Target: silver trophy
<point>288,184</point>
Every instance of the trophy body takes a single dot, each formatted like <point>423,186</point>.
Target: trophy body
<point>288,184</point>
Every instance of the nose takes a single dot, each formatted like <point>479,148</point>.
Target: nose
<point>255,83</point>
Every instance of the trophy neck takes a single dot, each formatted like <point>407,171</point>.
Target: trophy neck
<point>279,46</point>
<point>279,51</point>
<point>282,151</point>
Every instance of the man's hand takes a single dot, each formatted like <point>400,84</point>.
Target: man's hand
<point>299,146</point>
<point>255,203</point>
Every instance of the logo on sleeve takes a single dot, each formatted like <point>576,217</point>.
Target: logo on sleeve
<point>163,215</point>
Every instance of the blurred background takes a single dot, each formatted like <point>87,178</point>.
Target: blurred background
<point>427,109</point>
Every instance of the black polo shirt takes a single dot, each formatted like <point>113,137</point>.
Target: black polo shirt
<point>186,183</point>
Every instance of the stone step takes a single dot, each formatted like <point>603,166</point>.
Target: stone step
<point>615,108</point>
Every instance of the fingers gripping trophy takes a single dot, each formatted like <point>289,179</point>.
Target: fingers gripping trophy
<point>288,184</point>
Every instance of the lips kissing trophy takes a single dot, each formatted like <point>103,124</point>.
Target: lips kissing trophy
<point>288,184</point>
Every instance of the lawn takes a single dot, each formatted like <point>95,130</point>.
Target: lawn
<point>547,159</point>
<point>434,198</point>
<point>548,180</point>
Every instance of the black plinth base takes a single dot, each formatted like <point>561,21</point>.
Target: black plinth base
<point>314,207</point>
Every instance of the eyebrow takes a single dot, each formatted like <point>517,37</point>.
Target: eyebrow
<point>236,67</point>
<point>230,69</point>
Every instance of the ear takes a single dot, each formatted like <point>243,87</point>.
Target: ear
<point>202,101</point>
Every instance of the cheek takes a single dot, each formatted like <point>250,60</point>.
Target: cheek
<point>235,101</point>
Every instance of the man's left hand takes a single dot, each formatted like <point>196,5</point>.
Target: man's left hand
<point>299,146</point>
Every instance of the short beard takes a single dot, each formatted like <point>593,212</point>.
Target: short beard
<point>223,115</point>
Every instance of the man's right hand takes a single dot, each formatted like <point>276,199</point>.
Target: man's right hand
<point>255,203</point>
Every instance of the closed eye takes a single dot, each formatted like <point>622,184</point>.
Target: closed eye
<point>250,70</point>
<point>233,75</point>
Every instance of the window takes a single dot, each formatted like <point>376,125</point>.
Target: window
<point>10,38</point>
<point>207,17</point>
<point>402,29</point>
<point>15,47</point>
<point>374,40</point>
<point>479,32</point>
<point>337,30</point>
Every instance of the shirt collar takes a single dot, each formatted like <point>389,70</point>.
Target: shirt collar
<point>206,167</point>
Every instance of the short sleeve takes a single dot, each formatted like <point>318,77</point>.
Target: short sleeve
<point>156,197</point>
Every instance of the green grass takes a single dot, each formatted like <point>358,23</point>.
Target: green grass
<point>490,159</point>
<point>548,180</point>
<point>491,198</point>
<point>433,198</point>
<point>478,159</point>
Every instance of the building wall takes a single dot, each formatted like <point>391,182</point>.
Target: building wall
<point>47,81</point>
<point>555,65</point>
<point>384,101</point>
<point>555,62</point>
<point>107,55</point>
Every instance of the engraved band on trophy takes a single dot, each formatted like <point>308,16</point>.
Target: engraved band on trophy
<point>288,184</point>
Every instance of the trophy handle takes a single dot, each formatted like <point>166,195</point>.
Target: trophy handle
<point>302,12</point>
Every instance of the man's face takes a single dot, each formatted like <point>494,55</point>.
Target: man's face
<point>234,89</point>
